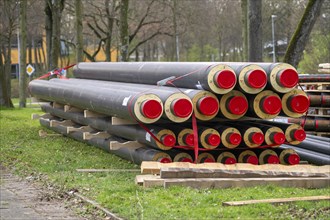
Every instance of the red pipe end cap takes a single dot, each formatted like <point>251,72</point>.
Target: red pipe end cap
<point>182,108</point>
<point>299,135</point>
<point>257,79</point>
<point>293,159</point>
<point>279,138</point>
<point>258,138</point>
<point>151,109</point>
<point>186,160</point>
<point>272,159</point>
<point>165,160</point>
<point>189,139</point>
<point>272,105</point>
<point>213,139</point>
<point>225,79</point>
<point>230,160</point>
<point>208,105</point>
<point>288,78</point>
<point>238,105</point>
<point>299,103</point>
<point>168,140</point>
<point>252,160</point>
<point>235,138</point>
<point>209,160</point>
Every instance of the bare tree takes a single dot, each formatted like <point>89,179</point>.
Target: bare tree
<point>8,10</point>
<point>244,4</point>
<point>255,30</point>
<point>300,37</point>
<point>123,30</point>
<point>79,31</point>
<point>22,53</point>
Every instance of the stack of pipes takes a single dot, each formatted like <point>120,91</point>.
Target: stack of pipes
<point>180,111</point>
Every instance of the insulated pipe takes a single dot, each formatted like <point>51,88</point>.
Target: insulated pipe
<point>177,105</point>
<point>268,157</point>
<point>252,136</point>
<point>314,77</point>
<point>144,107</point>
<point>288,156</point>
<point>252,79</point>
<point>226,158</point>
<point>209,138</point>
<point>309,136</point>
<point>294,134</point>
<point>295,103</point>
<point>310,156</point>
<point>321,125</point>
<point>318,100</point>
<point>130,132</point>
<point>205,158</point>
<point>215,77</point>
<point>274,136</point>
<point>248,156</point>
<point>180,156</point>
<point>136,154</point>
<point>320,147</point>
<point>282,77</point>
<point>233,105</point>
<point>230,136</point>
<point>185,136</point>
<point>265,105</point>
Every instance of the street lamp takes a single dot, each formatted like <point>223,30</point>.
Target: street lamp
<point>273,34</point>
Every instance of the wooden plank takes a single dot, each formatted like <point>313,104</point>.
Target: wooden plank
<point>317,182</point>
<point>173,172</point>
<point>324,70</point>
<point>139,179</point>
<point>43,133</point>
<point>280,200</point>
<point>120,121</point>
<point>58,105</point>
<point>115,145</point>
<point>69,108</point>
<point>149,167</point>
<point>106,170</point>
<point>91,114</point>
<point>101,134</point>
<point>324,65</point>
<point>35,116</point>
<point>54,123</point>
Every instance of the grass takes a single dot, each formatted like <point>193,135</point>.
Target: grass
<point>55,159</point>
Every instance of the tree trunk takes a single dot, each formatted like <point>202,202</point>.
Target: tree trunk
<point>79,31</point>
<point>123,29</point>
<point>49,31</point>
<point>22,53</point>
<point>244,9</point>
<point>57,8</point>
<point>110,21</point>
<point>300,37</point>
<point>255,30</point>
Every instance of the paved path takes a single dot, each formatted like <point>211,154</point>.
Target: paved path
<point>21,200</point>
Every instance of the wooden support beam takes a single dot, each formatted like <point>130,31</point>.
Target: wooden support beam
<point>58,105</point>
<point>120,121</point>
<point>101,134</point>
<point>54,123</point>
<point>35,116</point>
<point>115,145</point>
<point>318,182</point>
<point>174,172</point>
<point>43,134</point>
<point>91,114</point>
<point>69,108</point>
<point>273,201</point>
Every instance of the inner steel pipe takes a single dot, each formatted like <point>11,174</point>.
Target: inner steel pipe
<point>216,77</point>
<point>144,107</point>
